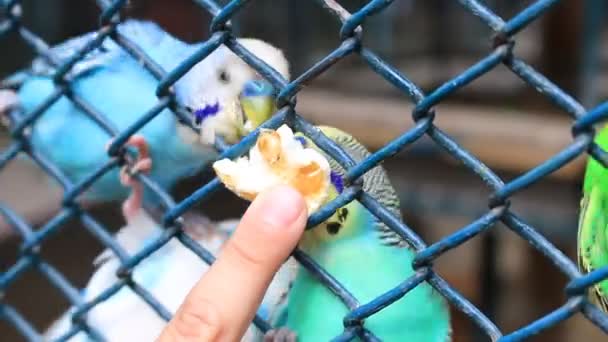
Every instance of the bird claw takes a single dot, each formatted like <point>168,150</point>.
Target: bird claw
<point>280,335</point>
<point>141,165</point>
<point>143,162</point>
<point>132,205</point>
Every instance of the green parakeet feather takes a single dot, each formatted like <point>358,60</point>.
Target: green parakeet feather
<point>368,259</point>
<point>593,221</point>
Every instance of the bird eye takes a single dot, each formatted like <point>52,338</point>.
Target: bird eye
<point>224,77</point>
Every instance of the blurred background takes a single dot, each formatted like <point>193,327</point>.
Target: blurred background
<point>499,118</point>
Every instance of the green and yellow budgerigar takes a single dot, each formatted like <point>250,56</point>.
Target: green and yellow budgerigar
<point>360,252</point>
<point>368,259</point>
<point>593,223</point>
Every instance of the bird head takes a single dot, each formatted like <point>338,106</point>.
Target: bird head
<point>226,96</point>
<point>344,222</point>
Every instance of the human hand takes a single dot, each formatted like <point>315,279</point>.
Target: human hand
<point>222,304</point>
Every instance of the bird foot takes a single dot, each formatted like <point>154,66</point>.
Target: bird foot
<point>133,204</point>
<point>143,162</point>
<point>280,335</point>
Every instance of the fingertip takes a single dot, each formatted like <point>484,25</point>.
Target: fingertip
<point>266,235</point>
<point>279,208</point>
<point>276,218</point>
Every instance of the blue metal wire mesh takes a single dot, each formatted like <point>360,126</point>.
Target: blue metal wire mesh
<point>351,31</point>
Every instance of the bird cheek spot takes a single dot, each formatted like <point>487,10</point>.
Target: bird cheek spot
<point>342,214</point>
<point>208,111</point>
<point>337,181</point>
<point>333,228</point>
<point>302,141</point>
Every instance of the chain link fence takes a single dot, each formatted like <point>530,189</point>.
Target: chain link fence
<point>352,28</point>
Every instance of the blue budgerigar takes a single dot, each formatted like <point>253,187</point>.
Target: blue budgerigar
<point>117,85</point>
<point>168,274</point>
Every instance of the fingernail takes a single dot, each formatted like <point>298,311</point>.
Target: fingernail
<point>281,206</point>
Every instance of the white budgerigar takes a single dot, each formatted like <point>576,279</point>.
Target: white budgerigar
<point>168,274</point>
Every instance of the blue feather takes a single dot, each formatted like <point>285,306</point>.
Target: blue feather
<point>122,90</point>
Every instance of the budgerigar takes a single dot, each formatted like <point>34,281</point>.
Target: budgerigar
<point>593,223</point>
<point>120,88</point>
<point>368,259</point>
<point>168,274</point>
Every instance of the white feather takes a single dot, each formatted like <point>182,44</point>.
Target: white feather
<point>202,86</point>
<point>168,274</point>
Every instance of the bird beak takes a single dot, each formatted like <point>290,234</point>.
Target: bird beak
<point>257,102</point>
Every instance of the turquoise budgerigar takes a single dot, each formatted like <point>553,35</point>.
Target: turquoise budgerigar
<point>366,257</point>
<point>593,223</point>
<point>117,85</point>
<point>168,274</point>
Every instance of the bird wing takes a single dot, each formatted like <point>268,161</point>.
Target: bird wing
<point>45,66</point>
<point>593,241</point>
<point>62,52</point>
<point>145,34</point>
